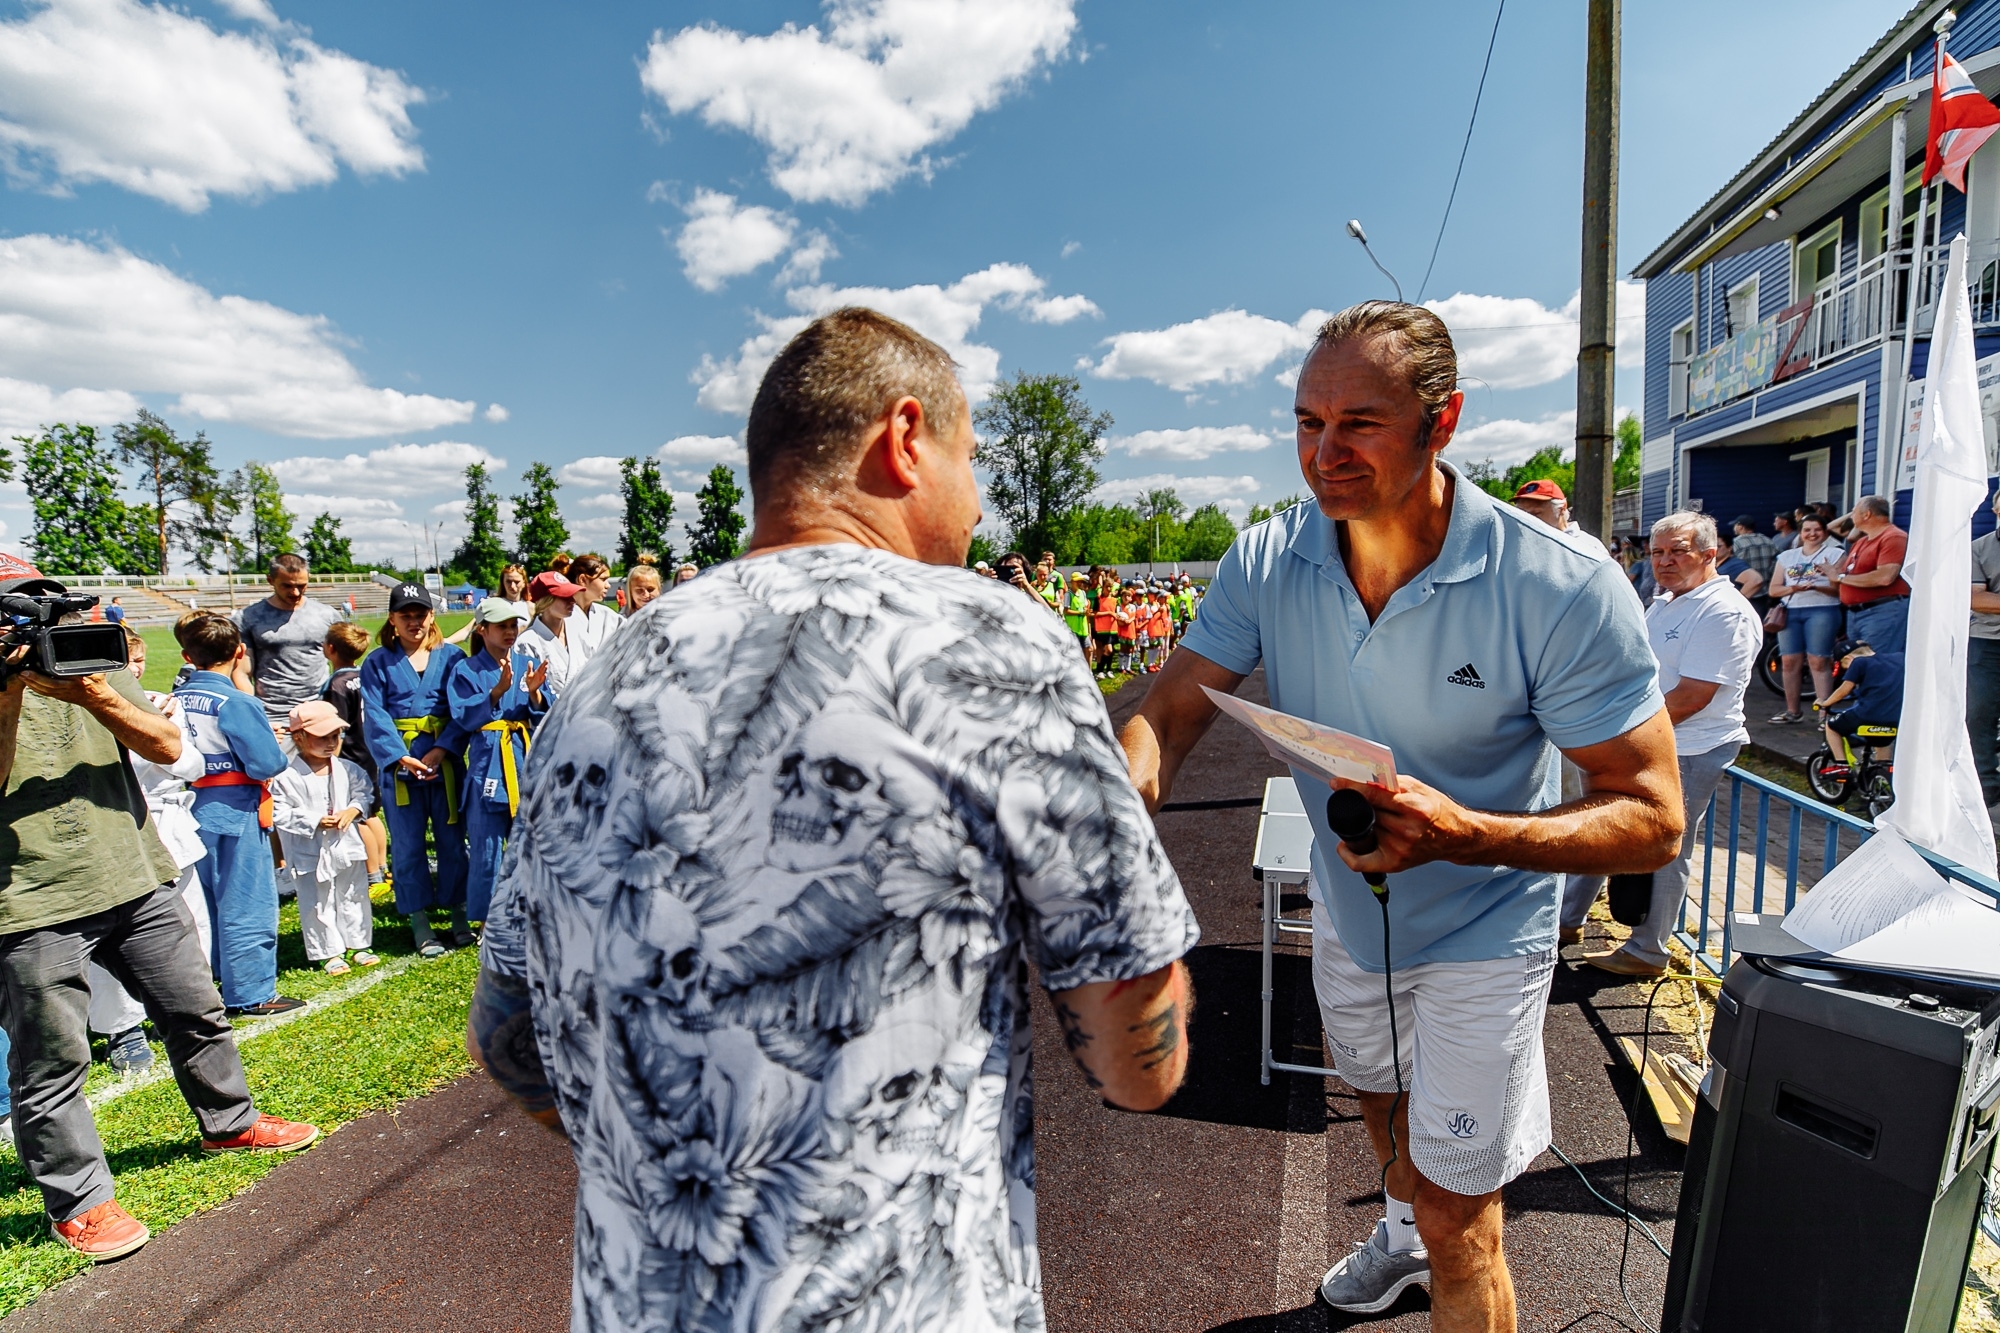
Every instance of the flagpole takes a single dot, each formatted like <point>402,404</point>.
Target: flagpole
<point>1887,486</point>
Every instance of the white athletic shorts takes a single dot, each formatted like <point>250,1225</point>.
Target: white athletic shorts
<point>1471,1037</point>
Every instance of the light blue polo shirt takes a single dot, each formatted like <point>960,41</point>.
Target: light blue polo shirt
<point>1510,641</point>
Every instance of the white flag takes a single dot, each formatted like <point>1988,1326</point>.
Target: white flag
<point>1938,803</point>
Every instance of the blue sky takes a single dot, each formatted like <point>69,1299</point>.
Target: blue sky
<point>369,243</point>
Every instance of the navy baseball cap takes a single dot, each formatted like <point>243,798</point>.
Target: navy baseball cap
<point>406,595</point>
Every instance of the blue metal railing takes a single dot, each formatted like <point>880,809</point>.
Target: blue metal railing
<point>1715,954</point>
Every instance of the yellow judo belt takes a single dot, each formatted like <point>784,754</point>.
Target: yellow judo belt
<point>411,728</point>
<point>507,768</point>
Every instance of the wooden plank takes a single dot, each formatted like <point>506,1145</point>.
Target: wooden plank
<point>1673,1099</point>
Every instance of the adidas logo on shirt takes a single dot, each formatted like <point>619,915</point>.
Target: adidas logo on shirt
<point>1466,675</point>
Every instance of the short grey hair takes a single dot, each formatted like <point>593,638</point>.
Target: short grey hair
<point>1700,529</point>
<point>1873,504</point>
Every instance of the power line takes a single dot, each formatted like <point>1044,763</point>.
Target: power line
<point>1474,120</point>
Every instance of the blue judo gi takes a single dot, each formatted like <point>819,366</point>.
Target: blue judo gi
<point>496,762</point>
<point>239,754</point>
<point>405,713</point>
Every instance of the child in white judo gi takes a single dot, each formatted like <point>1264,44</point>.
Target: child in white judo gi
<point>316,803</point>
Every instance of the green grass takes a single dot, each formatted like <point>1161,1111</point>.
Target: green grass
<point>163,655</point>
<point>393,1042</point>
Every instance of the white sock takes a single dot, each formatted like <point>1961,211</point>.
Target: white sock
<point>1402,1221</point>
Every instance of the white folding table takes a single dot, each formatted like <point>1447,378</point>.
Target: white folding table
<point>1281,860</point>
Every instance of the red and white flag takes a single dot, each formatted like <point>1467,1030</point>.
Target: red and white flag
<point>1961,120</point>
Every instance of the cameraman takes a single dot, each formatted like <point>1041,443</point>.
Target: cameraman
<point>84,875</point>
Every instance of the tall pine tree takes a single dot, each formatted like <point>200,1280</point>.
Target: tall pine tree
<point>483,554</point>
<point>184,482</point>
<point>270,534</point>
<point>649,508</point>
<point>538,527</point>
<point>718,527</point>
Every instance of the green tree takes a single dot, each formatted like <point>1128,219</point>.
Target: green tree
<point>326,551</point>
<point>81,526</point>
<point>483,554</point>
<point>182,479</point>
<point>1631,445</point>
<point>982,548</point>
<point>718,526</point>
<point>1259,513</point>
<point>260,496</point>
<point>1041,446</point>
<point>1206,534</point>
<point>649,508</point>
<point>1159,514</point>
<point>538,527</point>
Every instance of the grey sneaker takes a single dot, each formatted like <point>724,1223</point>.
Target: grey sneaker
<point>1369,1280</point>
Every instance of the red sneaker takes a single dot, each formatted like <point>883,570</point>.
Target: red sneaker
<point>269,1134</point>
<point>105,1232</point>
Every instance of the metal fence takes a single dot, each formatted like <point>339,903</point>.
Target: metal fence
<point>1792,842</point>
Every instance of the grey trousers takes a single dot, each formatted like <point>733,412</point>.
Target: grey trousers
<point>1701,774</point>
<point>149,946</point>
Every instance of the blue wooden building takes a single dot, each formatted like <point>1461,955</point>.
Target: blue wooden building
<point>1781,315</point>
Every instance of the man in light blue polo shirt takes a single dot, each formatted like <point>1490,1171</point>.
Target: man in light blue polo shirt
<point>1409,607</point>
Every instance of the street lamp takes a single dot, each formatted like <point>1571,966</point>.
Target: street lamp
<point>1354,230</point>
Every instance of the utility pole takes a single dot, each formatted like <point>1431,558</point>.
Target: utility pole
<point>1598,317</point>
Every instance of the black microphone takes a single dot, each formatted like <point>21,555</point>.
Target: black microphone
<point>1352,820</point>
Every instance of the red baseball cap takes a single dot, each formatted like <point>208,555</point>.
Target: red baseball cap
<point>1540,489</point>
<point>548,583</point>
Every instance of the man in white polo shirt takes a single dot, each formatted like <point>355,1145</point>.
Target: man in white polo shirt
<point>1410,607</point>
<point>1706,637</point>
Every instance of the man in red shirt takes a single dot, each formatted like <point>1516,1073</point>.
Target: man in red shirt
<point>1871,579</point>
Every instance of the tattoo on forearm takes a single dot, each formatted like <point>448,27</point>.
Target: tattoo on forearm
<point>1075,1038</point>
<point>1165,1030</point>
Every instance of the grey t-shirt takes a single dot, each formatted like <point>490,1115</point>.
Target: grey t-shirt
<point>1986,571</point>
<point>285,656</point>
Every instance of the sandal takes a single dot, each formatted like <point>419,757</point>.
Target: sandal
<point>363,958</point>
<point>336,966</point>
<point>1788,719</point>
<point>430,948</point>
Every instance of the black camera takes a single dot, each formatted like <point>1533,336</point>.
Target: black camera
<point>31,614</point>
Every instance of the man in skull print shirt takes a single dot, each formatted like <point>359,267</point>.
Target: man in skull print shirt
<point>761,945</point>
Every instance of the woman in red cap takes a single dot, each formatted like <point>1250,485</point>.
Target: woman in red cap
<point>546,640</point>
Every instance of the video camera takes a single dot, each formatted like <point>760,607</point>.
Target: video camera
<point>31,614</point>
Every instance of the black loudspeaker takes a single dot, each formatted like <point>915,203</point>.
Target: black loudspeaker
<point>1838,1155</point>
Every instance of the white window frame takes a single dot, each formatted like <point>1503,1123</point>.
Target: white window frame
<point>1874,224</point>
<point>1801,289</point>
<point>1753,285</point>
<point>1680,352</point>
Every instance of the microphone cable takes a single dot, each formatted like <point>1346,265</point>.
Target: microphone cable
<point>1352,820</point>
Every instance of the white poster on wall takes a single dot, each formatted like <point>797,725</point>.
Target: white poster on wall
<point>1989,418</point>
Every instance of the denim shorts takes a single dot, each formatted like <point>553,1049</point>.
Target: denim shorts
<point>1810,630</point>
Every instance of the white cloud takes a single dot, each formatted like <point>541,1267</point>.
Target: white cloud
<point>1232,493</point>
<point>494,412</point>
<point>690,450</point>
<point>25,408</point>
<point>1517,342</point>
<point>1192,443</point>
<point>850,111</point>
<point>946,314</point>
<point>805,261</point>
<point>251,11</point>
<point>1229,347</point>
<point>722,240</point>
<point>160,103</point>
<point>79,316</point>
<point>391,472</point>
<point>1070,248</point>
<point>1508,441</point>
<point>1061,309</point>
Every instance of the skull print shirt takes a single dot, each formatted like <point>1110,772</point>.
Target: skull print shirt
<point>788,846</point>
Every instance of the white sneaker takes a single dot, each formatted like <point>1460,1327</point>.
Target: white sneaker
<point>1369,1280</point>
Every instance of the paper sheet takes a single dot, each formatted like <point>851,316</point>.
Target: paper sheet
<point>1327,753</point>
<point>1883,880</point>
<point>1886,907</point>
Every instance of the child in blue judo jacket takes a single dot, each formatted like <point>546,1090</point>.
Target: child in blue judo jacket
<point>239,754</point>
<point>496,697</point>
<point>419,756</point>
